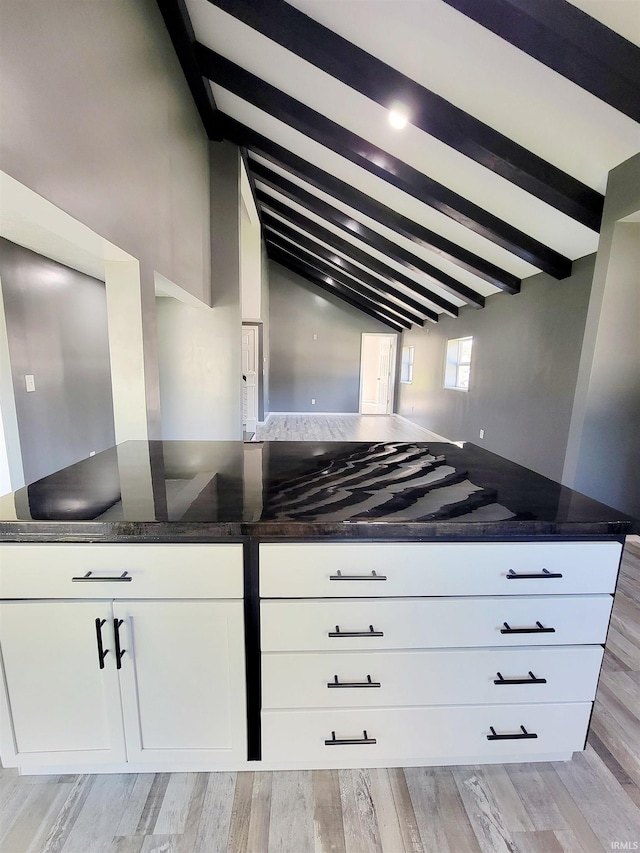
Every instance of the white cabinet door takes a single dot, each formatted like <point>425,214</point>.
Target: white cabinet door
<point>65,708</point>
<point>182,681</point>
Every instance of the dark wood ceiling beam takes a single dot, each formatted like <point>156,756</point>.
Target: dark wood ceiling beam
<point>303,270</point>
<point>275,226</point>
<point>340,277</point>
<point>178,24</point>
<point>380,163</point>
<point>361,302</point>
<point>570,42</point>
<point>366,235</point>
<point>382,83</point>
<point>354,253</point>
<point>361,202</point>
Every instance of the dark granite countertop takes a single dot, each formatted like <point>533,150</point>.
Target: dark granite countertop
<point>207,491</point>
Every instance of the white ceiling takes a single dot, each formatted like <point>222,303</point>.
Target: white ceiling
<point>470,67</point>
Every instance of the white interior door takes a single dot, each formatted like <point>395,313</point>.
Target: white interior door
<point>377,374</point>
<point>250,382</point>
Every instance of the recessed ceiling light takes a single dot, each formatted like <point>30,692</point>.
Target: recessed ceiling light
<point>398,117</point>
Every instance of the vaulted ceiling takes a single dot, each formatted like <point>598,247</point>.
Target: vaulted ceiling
<point>516,111</point>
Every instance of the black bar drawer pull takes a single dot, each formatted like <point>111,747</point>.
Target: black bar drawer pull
<point>351,740</point>
<point>125,576</point>
<point>522,735</point>
<point>531,680</point>
<point>514,576</point>
<point>367,683</point>
<point>372,577</point>
<point>102,652</point>
<point>119,651</point>
<point>540,629</point>
<point>369,633</point>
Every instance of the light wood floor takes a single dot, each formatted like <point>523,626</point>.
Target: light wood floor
<point>583,805</point>
<point>342,428</point>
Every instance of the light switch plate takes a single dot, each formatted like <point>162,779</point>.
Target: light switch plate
<point>30,382</point>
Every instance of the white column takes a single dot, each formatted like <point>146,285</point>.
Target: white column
<point>126,347</point>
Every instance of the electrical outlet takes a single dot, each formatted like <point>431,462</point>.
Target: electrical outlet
<point>92,453</point>
<point>313,401</point>
<point>30,382</point>
<point>315,337</point>
<point>481,433</point>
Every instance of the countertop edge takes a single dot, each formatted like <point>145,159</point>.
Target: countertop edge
<point>156,532</point>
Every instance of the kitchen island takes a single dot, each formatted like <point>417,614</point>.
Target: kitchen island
<point>220,605</point>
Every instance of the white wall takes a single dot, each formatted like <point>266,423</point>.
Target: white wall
<point>250,254</point>
<point>196,357</point>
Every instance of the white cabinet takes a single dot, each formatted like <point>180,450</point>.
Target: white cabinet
<point>345,569</point>
<point>398,654</point>
<point>405,737</point>
<point>63,706</point>
<point>109,681</point>
<point>182,681</point>
<point>430,677</point>
<point>414,623</point>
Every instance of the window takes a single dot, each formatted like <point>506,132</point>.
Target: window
<point>457,369</point>
<point>406,366</point>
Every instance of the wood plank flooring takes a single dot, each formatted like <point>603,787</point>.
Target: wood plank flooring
<point>342,428</point>
<point>587,804</point>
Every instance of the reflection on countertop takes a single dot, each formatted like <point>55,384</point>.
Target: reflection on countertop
<point>315,487</point>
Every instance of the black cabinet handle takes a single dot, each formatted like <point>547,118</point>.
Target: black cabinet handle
<point>367,683</point>
<point>102,652</point>
<point>369,633</point>
<point>522,735</point>
<point>119,651</point>
<point>125,576</point>
<point>531,680</point>
<point>540,629</point>
<point>348,740</point>
<point>372,577</point>
<point>514,576</point>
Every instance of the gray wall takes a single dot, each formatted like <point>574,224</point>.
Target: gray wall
<point>603,456</point>
<point>524,368</point>
<point>97,117</point>
<point>200,348</point>
<point>57,330</point>
<point>327,369</point>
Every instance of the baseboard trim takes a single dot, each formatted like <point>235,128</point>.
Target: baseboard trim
<point>419,426</point>
<point>324,414</point>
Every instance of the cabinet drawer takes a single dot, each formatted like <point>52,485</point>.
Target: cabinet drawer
<point>445,677</point>
<point>413,568</point>
<point>422,735</point>
<point>155,571</point>
<point>347,624</point>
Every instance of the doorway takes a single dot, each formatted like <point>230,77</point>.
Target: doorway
<point>249,379</point>
<point>377,374</point>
